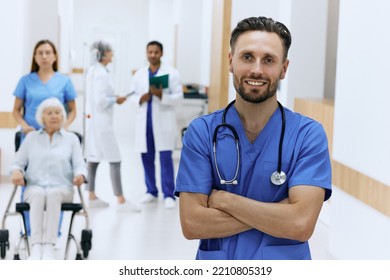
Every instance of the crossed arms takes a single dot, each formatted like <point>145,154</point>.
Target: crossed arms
<point>223,214</point>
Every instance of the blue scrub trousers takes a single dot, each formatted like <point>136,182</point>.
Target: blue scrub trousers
<point>166,163</point>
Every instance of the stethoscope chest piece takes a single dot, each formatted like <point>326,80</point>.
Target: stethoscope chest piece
<point>278,178</point>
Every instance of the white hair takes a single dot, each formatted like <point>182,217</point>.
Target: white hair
<point>98,50</point>
<point>47,103</point>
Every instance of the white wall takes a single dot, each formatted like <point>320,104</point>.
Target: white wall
<point>361,135</point>
<point>307,21</point>
<point>308,49</point>
<point>22,25</point>
<point>362,118</point>
<point>132,24</point>
<point>12,50</point>
<point>205,41</point>
<point>188,63</point>
<point>65,45</point>
<point>161,27</point>
<point>123,23</point>
<point>356,232</point>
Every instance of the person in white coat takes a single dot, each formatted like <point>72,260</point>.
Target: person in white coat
<point>156,125</point>
<point>100,139</point>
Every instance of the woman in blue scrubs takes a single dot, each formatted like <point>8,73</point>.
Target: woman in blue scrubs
<point>41,83</point>
<point>254,218</point>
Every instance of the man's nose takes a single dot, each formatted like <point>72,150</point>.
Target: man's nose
<point>257,67</point>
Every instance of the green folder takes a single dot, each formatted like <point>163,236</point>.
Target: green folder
<point>159,80</point>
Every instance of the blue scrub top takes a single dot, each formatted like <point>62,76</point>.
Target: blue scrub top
<point>33,91</point>
<point>305,161</point>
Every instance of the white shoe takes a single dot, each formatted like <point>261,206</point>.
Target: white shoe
<point>169,203</point>
<point>127,206</point>
<point>36,252</point>
<point>97,203</point>
<point>48,252</point>
<point>148,198</point>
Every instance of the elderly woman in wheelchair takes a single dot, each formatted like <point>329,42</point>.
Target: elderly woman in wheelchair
<point>49,163</point>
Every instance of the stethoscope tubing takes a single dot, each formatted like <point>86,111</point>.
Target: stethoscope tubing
<point>280,151</point>
<point>277,178</point>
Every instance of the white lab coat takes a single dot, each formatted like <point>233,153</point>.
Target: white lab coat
<point>100,99</point>
<point>165,128</point>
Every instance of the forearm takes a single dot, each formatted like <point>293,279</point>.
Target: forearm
<point>271,218</point>
<point>71,114</point>
<point>287,219</point>
<point>200,222</point>
<point>17,177</point>
<point>19,118</point>
<point>70,119</point>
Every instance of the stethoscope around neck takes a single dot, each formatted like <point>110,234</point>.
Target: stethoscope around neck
<point>278,177</point>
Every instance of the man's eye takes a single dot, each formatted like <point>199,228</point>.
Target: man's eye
<point>247,57</point>
<point>268,60</point>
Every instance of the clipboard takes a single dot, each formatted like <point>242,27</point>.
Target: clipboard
<point>130,94</point>
<point>159,80</point>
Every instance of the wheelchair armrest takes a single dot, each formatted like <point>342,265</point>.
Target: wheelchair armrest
<point>74,207</point>
<point>22,206</point>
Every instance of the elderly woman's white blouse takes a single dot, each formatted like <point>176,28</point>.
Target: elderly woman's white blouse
<point>50,163</point>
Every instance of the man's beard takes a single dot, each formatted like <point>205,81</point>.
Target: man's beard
<point>254,96</point>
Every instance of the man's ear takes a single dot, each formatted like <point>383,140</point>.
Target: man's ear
<point>284,70</point>
<point>230,57</point>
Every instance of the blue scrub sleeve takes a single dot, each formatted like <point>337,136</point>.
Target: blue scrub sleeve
<point>313,165</point>
<point>20,90</point>
<point>70,92</point>
<point>195,167</point>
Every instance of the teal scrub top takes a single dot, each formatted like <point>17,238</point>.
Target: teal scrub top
<point>33,91</point>
<point>305,161</point>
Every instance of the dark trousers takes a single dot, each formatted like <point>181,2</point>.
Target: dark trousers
<point>166,164</point>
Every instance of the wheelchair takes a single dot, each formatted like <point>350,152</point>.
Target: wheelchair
<point>83,247</point>
<point>77,209</point>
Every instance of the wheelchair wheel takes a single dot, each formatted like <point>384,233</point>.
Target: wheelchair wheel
<point>4,244</point>
<point>86,241</point>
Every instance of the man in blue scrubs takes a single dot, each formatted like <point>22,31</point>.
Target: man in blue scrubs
<point>254,219</point>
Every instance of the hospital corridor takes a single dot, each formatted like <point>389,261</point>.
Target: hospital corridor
<point>337,135</point>
<point>153,233</point>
